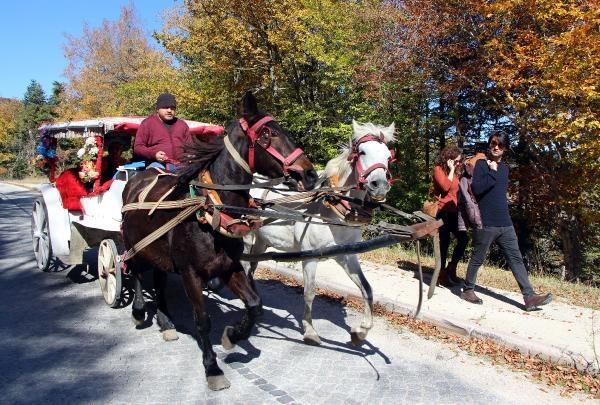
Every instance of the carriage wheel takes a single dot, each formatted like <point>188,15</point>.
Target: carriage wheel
<point>42,248</point>
<point>109,272</point>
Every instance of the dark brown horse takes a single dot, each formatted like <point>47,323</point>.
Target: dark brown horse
<point>195,250</point>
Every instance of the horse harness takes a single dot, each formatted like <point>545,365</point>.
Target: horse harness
<point>205,202</point>
<point>259,133</point>
<point>354,209</point>
<point>361,172</point>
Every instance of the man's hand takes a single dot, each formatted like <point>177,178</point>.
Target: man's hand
<point>161,156</point>
<point>493,165</point>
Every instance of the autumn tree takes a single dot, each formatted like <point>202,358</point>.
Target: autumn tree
<point>33,112</point>
<point>114,70</point>
<point>544,56</point>
<point>10,110</point>
<point>298,56</point>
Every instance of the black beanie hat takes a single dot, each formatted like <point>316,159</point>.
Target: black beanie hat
<point>165,100</point>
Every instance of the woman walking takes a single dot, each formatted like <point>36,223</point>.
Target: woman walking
<point>446,175</point>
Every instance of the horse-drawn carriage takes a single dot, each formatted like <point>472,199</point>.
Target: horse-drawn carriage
<point>191,222</point>
<point>81,207</point>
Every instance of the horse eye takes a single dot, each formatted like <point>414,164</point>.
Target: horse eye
<point>362,153</point>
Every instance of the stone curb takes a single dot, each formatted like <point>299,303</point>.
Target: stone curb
<point>547,352</point>
<point>29,186</point>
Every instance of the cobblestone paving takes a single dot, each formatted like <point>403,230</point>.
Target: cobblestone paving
<point>62,344</point>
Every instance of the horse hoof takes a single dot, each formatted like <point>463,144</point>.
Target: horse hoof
<point>225,341</point>
<point>137,322</point>
<point>217,382</point>
<point>312,339</point>
<point>169,335</point>
<point>358,337</point>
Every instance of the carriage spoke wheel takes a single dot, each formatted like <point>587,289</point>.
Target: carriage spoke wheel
<point>40,235</point>
<point>109,272</point>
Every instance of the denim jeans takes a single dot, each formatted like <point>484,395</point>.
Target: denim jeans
<point>169,166</point>
<point>506,238</point>
<point>451,227</point>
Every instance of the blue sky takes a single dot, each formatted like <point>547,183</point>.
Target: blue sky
<point>32,33</point>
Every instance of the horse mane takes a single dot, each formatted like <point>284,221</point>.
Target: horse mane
<point>199,154</point>
<point>362,129</point>
<point>339,166</point>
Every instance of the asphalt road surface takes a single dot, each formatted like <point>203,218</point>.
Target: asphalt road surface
<point>61,344</point>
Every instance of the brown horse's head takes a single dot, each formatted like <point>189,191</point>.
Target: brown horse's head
<point>271,151</point>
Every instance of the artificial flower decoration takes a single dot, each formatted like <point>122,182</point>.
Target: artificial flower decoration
<point>45,153</point>
<point>88,155</point>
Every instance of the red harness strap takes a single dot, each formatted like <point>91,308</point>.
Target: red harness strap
<point>361,172</point>
<point>254,133</point>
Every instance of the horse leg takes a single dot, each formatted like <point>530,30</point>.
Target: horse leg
<point>163,318</point>
<point>351,264</point>
<point>309,268</point>
<point>258,247</point>
<point>138,308</point>
<point>215,378</point>
<point>240,285</point>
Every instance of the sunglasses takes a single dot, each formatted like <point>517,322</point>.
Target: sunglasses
<point>495,143</point>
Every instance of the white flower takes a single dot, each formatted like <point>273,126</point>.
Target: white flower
<point>93,151</point>
<point>91,141</point>
<point>80,153</point>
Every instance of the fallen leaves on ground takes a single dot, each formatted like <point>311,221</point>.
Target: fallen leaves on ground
<point>569,379</point>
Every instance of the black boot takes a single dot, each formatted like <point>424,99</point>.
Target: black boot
<point>451,272</point>
<point>444,280</point>
<point>215,284</point>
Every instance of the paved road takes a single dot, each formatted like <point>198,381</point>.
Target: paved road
<point>62,344</point>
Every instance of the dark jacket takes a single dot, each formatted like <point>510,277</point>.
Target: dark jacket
<point>490,188</point>
<point>153,136</point>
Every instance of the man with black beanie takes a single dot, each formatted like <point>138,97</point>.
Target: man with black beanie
<point>161,136</point>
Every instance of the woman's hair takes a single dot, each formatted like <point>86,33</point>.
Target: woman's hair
<point>446,154</point>
<point>501,138</point>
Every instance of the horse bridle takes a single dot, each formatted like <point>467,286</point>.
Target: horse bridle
<point>361,172</point>
<point>259,133</point>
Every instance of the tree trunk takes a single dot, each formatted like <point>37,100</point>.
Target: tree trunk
<point>442,125</point>
<point>458,124</point>
<point>570,234</point>
<point>427,145</point>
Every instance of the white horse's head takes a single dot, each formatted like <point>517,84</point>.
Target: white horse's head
<point>368,157</point>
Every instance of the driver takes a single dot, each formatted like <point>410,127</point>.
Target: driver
<point>161,136</point>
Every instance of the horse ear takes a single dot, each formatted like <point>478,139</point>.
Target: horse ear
<point>390,132</point>
<point>355,126</point>
<point>248,106</point>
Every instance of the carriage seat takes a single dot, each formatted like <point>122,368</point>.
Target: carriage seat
<point>127,170</point>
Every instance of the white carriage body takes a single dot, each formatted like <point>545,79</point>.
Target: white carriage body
<point>71,232</point>
<point>101,216</point>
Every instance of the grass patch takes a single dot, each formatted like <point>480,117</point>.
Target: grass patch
<point>573,293</point>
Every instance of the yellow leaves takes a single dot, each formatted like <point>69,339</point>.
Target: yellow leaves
<point>104,62</point>
<point>9,111</point>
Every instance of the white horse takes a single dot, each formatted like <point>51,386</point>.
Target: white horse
<point>362,166</point>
